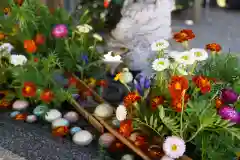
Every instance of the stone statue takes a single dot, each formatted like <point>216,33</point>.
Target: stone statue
<point>142,22</point>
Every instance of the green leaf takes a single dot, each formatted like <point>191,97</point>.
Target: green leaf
<point>151,121</point>
<point>161,112</point>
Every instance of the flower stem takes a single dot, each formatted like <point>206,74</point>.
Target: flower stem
<point>193,67</point>
<point>181,118</point>
<point>195,134</point>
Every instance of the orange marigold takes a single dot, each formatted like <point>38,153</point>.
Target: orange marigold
<point>184,35</point>
<point>203,83</point>
<point>177,85</point>
<point>214,47</point>
<point>2,36</point>
<point>156,101</point>
<point>30,46</point>
<point>177,103</point>
<point>218,103</point>
<point>126,128</point>
<point>131,98</point>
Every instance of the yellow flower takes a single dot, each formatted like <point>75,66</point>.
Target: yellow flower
<point>116,78</point>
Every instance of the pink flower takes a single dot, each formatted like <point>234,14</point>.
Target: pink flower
<point>60,31</point>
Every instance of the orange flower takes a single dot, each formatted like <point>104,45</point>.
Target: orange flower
<point>60,131</point>
<point>29,89</point>
<point>126,128</point>
<point>19,2</point>
<point>177,85</point>
<point>214,47</point>
<point>47,96</point>
<point>72,81</point>
<point>177,103</point>
<point>2,36</point>
<point>131,98</point>
<point>156,101</point>
<point>184,35</point>
<point>218,103</point>
<point>203,83</point>
<point>39,39</point>
<point>30,46</point>
<point>6,10</point>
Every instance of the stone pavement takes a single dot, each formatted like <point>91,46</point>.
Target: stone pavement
<point>8,155</point>
<point>217,25</point>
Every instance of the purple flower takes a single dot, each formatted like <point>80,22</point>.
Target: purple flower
<point>229,113</point>
<point>60,31</point>
<point>228,96</point>
<point>85,59</point>
<point>141,83</point>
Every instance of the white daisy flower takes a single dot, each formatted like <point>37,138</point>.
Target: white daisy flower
<point>121,113</point>
<point>174,54</point>
<point>185,58</point>
<point>166,158</point>
<point>18,60</point>
<point>6,46</point>
<point>160,64</point>
<point>97,37</point>
<point>159,45</point>
<point>174,147</point>
<point>199,54</point>
<point>83,29</point>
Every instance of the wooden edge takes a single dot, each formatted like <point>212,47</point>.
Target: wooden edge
<point>89,117</point>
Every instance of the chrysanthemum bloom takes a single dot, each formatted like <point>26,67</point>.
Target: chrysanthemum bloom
<point>160,45</point>
<point>126,128</point>
<point>202,83</point>
<point>130,99</point>
<point>178,104</point>
<point>214,47</point>
<point>160,64</point>
<point>156,101</point>
<point>184,35</point>
<point>199,54</point>
<point>29,89</point>
<point>47,96</point>
<point>177,85</point>
<point>30,46</point>
<point>174,147</point>
<point>185,58</point>
<point>60,31</point>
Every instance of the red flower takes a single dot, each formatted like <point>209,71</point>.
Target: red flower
<point>131,98</point>
<point>126,128</point>
<point>35,59</point>
<point>102,83</point>
<point>177,103</point>
<point>47,96</point>
<point>72,81</point>
<point>184,35</point>
<point>214,47</point>
<point>29,89</point>
<point>39,39</point>
<point>219,103</point>
<point>203,83</point>
<point>156,101</point>
<point>30,46</point>
<point>177,85</point>
<point>60,131</point>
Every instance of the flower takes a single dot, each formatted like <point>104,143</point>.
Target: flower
<point>18,60</point>
<point>229,113</point>
<point>166,158</point>
<point>174,147</point>
<point>85,59</point>
<point>130,99</point>
<point>184,35</point>
<point>19,2</point>
<point>2,36</point>
<point>218,103</point>
<point>229,96</point>
<point>174,54</point>
<point>29,89</point>
<point>47,96</point>
<point>160,64</point>
<point>199,54</point>
<point>60,31</point>
<point>84,28</point>
<point>125,76</point>
<point>156,101</point>
<point>177,86</point>
<point>203,83</point>
<point>121,113</point>
<point>6,46</point>
<point>141,83</point>
<point>159,45</point>
<point>106,3</point>
<point>7,11</point>
<point>102,83</point>
<point>214,47</point>
<point>72,81</point>
<point>109,57</point>
<point>126,128</point>
<point>39,39</point>
<point>177,102</point>
<point>60,131</point>
<point>185,58</point>
<point>97,37</point>
<point>35,59</point>
<point>30,46</point>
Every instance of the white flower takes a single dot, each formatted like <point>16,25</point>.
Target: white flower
<point>97,37</point>
<point>88,26</point>
<point>6,46</point>
<point>174,54</point>
<point>160,64</point>
<point>121,113</point>
<point>199,54</point>
<point>166,158</point>
<point>159,45</point>
<point>174,147</point>
<point>18,60</point>
<point>185,58</point>
<point>109,57</point>
<point>84,28</point>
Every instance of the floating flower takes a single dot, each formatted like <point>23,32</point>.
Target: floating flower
<point>229,113</point>
<point>30,46</point>
<point>214,47</point>
<point>97,37</point>
<point>84,28</point>
<point>18,60</point>
<point>121,113</point>
<point>40,39</point>
<point>29,89</point>
<point>60,31</point>
<point>141,84</point>
<point>126,128</point>
<point>7,47</point>
<point>160,64</point>
<point>159,45</point>
<point>203,83</point>
<point>218,103</point>
<point>166,158</point>
<point>174,147</point>
<point>185,58</point>
<point>177,86</point>
<point>229,96</point>
<point>130,99</point>
<point>47,96</point>
<point>184,35</point>
<point>60,131</point>
<point>156,101</point>
<point>199,54</point>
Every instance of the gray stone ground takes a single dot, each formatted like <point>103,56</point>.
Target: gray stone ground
<point>217,26</point>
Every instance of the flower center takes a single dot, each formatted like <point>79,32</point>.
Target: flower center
<point>198,54</point>
<point>159,44</point>
<point>185,58</point>
<point>161,63</point>
<point>178,86</point>
<point>28,89</point>
<point>174,147</point>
